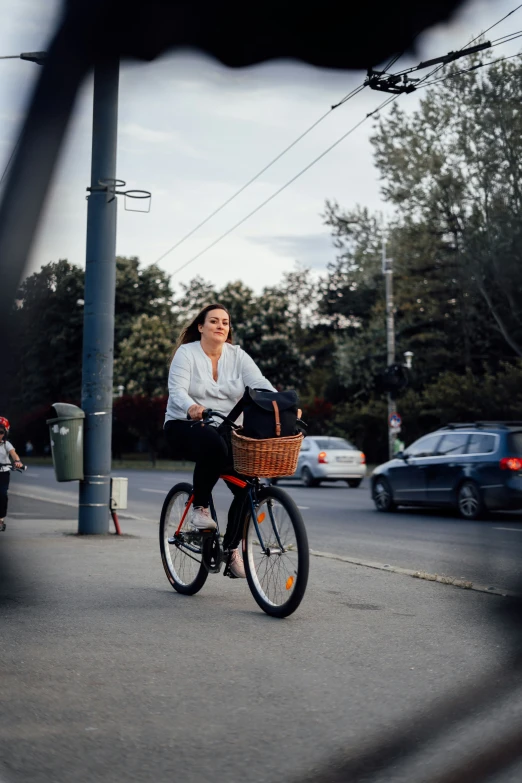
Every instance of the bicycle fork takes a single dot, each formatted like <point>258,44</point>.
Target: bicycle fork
<point>267,549</point>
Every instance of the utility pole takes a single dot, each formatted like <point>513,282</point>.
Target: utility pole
<point>387,268</point>
<point>100,292</point>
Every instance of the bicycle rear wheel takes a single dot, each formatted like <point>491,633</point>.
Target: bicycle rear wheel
<point>277,570</point>
<point>181,552</point>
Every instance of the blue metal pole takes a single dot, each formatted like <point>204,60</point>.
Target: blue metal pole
<point>100,291</point>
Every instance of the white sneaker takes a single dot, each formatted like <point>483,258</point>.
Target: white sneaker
<point>201,519</point>
<point>236,564</point>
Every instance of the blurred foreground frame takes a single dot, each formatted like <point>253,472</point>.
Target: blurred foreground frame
<point>340,35</point>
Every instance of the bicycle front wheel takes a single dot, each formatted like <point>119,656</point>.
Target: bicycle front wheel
<point>181,550</point>
<point>276,554</point>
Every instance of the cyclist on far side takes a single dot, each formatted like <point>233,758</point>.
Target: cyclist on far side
<point>208,371</point>
<point>7,453</point>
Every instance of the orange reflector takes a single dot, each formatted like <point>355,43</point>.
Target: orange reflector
<point>289,582</point>
<point>261,517</point>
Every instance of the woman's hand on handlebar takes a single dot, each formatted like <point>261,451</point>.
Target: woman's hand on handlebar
<point>195,412</point>
<point>18,464</point>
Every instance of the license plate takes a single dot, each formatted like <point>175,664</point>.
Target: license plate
<point>344,459</point>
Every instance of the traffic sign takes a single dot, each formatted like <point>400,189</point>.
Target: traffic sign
<point>395,421</point>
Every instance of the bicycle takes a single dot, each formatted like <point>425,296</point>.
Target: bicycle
<point>274,542</point>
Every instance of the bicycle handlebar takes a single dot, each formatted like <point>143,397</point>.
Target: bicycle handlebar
<point>208,414</point>
<point>12,467</point>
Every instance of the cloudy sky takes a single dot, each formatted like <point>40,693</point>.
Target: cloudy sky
<point>193,132</point>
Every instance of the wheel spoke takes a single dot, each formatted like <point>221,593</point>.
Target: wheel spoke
<point>274,575</point>
<point>183,558</point>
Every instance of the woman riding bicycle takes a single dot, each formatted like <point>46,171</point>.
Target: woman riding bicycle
<point>208,371</point>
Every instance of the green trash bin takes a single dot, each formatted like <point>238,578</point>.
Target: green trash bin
<point>66,432</point>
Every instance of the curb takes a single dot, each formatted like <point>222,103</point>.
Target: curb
<point>416,574</point>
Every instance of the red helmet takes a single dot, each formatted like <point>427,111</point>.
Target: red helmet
<point>5,424</point>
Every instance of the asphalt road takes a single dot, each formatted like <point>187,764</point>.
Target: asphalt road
<point>109,675</point>
<point>343,521</point>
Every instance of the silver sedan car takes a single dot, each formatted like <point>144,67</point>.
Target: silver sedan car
<point>323,458</point>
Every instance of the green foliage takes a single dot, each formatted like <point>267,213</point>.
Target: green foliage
<point>139,291</point>
<point>143,361</point>
<point>47,323</point>
<point>267,326</point>
<point>45,365</point>
<point>451,170</point>
<point>196,294</point>
<point>353,284</point>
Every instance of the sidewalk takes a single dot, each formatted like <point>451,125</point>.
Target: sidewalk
<point>109,675</point>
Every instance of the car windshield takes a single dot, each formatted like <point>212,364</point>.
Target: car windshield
<point>515,444</point>
<point>337,444</point>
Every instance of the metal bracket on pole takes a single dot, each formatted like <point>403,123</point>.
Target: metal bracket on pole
<point>109,186</point>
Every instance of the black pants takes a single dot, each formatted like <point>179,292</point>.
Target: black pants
<point>202,444</point>
<point>4,484</point>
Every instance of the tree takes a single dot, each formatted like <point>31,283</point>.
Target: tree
<point>354,280</point>
<point>142,416</point>
<point>196,294</point>
<point>241,303</point>
<point>453,168</point>
<point>263,325</point>
<point>269,338</point>
<point>143,361</point>
<point>48,324</point>
<point>140,291</point>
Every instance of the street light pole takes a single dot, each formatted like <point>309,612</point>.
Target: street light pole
<point>100,291</point>
<point>387,268</point>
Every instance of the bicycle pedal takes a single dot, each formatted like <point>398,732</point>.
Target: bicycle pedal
<point>227,571</point>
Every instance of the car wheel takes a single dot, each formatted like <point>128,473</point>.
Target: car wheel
<point>382,495</point>
<point>354,483</point>
<point>469,501</point>
<point>307,478</point>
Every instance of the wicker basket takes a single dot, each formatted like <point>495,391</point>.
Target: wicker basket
<point>266,458</point>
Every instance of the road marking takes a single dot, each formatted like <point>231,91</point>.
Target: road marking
<point>159,491</point>
<point>29,496</point>
<point>121,514</point>
<point>303,508</point>
<point>511,529</point>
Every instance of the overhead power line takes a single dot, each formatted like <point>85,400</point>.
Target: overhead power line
<point>401,82</point>
<point>495,24</point>
<point>484,32</point>
<point>287,184</point>
<point>468,70</point>
<point>222,206</point>
<point>448,58</point>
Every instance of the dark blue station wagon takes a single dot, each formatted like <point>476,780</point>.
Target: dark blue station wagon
<point>474,468</point>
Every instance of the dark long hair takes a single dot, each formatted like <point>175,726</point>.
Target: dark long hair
<point>191,333</point>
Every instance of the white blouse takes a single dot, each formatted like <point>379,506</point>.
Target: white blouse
<point>191,380</point>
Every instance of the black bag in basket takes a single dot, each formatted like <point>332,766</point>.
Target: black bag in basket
<point>268,414</point>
